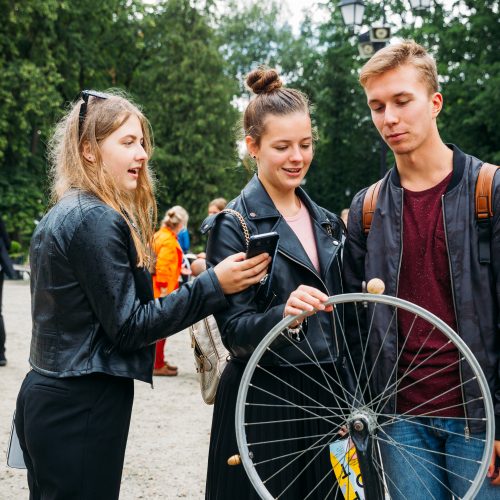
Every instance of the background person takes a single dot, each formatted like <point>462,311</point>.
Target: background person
<point>95,320</point>
<point>167,273</point>
<point>216,206</point>
<point>305,271</point>
<point>6,269</point>
<point>424,244</point>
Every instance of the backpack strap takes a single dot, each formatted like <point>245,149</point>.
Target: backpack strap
<point>484,209</point>
<point>369,205</point>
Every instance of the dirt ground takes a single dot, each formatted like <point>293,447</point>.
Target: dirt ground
<point>168,442</point>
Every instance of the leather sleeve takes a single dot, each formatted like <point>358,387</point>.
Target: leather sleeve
<point>101,256</point>
<point>242,324</point>
<point>495,263</point>
<point>355,247</point>
<point>353,273</point>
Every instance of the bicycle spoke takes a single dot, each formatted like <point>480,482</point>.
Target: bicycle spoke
<point>302,393</point>
<point>289,417</point>
<point>380,349</point>
<point>405,458</point>
<point>411,420</point>
<point>422,461</point>
<point>295,405</point>
<point>330,390</point>
<point>297,457</point>
<point>407,447</point>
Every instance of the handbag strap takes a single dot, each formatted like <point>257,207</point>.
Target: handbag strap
<point>244,226</point>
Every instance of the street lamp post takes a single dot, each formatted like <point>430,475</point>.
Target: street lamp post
<point>373,40</point>
<point>352,12</point>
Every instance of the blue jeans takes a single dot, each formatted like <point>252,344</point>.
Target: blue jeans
<point>431,459</point>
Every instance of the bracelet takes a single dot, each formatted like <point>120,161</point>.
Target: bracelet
<point>296,334</point>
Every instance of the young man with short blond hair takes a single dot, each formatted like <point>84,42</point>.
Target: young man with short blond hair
<point>424,244</point>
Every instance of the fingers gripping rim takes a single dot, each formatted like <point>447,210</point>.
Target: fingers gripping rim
<point>361,298</point>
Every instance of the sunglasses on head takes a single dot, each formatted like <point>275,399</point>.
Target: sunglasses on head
<point>83,107</point>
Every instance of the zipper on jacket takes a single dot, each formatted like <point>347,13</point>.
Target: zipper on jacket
<point>322,282</point>
<point>397,290</point>
<point>466,428</point>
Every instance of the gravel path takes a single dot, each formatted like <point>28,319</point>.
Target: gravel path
<point>168,442</point>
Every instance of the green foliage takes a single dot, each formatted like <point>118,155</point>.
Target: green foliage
<point>252,35</point>
<point>189,110</point>
<point>186,67</point>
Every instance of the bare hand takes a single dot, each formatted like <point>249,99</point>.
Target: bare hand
<point>235,273</point>
<point>306,299</point>
<point>493,471</point>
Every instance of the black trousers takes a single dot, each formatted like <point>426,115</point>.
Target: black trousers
<point>73,433</point>
<point>2,326</point>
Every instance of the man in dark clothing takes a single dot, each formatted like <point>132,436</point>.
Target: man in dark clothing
<point>423,243</point>
<point>5,269</point>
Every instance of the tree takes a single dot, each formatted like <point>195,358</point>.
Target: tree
<point>28,100</point>
<point>187,96</point>
<point>49,52</point>
<point>252,35</point>
<point>347,151</point>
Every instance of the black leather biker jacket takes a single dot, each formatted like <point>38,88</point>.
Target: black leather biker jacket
<point>253,312</point>
<point>93,308</point>
<point>475,286</point>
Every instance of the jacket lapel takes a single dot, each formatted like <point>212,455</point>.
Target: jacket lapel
<point>259,206</point>
<point>290,245</point>
<point>326,244</point>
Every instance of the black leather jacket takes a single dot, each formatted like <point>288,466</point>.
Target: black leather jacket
<point>475,286</point>
<point>253,312</point>
<point>93,308</point>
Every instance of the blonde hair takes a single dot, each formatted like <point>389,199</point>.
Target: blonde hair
<point>175,216</point>
<point>394,56</point>
<point>69,169</point>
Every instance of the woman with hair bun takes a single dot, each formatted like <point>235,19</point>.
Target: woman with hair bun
<point>167,271</point>
<point>304,272</point>
<point>95,320</point>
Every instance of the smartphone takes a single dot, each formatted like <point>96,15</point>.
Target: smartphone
<point>260,243</point>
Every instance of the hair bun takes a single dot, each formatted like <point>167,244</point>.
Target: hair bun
<point>262,80</point>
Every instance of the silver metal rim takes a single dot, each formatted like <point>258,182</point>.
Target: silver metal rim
<point>372,298</point>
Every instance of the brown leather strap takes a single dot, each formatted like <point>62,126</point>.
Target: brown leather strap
<point>369,205</point>
<point>484,184</point>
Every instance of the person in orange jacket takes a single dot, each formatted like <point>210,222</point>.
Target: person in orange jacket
<point>168,269</point>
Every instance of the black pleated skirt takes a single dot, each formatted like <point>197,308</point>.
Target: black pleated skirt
<point>304,416</point>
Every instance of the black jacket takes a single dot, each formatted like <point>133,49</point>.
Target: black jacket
<point>5,262</point>
<point>253,312</point>
<point>93,309</point>
<point>475,286</point>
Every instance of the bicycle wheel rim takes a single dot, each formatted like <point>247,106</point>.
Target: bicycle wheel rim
<point>464,351</point>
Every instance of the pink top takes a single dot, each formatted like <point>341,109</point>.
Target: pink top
<point>302,226</point>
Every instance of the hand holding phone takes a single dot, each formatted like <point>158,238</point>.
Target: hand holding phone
<point>260,243</point>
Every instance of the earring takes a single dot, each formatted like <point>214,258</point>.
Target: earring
<point>254,157</point>
<point>90,158</point>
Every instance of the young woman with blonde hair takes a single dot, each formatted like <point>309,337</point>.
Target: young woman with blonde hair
<point>95,320</point>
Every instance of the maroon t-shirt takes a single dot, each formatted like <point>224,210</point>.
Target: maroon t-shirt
<point>425,280</point>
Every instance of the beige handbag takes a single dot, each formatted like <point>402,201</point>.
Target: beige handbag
<point>210,355</point>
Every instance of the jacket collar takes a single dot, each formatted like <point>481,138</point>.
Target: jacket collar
<point>459,161</point>
<point>258,205</point>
